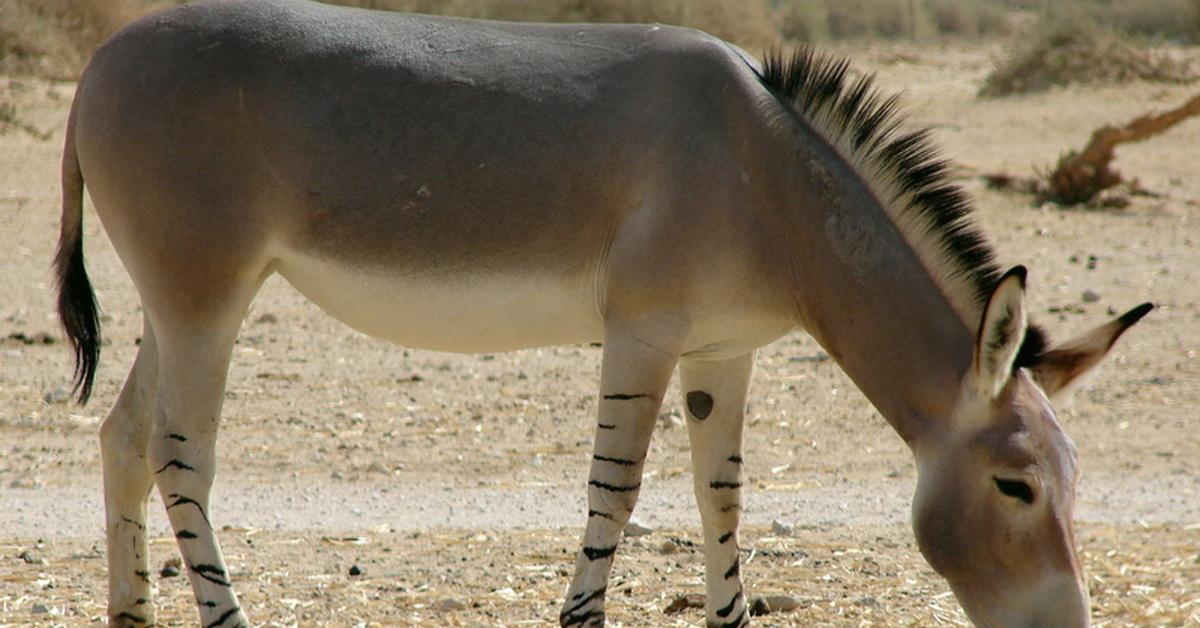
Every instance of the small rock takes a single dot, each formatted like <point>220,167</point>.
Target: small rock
<point>449,604</point>
<point>378,467</point>
<point>355,570</point>
<point>636,528</point>
<point>39,609</point>
<point>30,559</point>
<point>670,420</point>
<point>782,528</point>
<point>782,603</point>
<point>684,602</point>
<point>668,547</point>
<point>868,601</point>
<point>765,605</point>
<point>171,568</point>
<point>267,319</point>
<point>1090,296</point>
<point>58,395</point>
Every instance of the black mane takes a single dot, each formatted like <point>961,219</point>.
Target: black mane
<point>816,88</point>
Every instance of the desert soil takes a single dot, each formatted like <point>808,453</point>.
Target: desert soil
<point>455,483</point>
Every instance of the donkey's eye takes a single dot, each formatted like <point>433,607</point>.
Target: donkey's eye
<point>1015,488</point>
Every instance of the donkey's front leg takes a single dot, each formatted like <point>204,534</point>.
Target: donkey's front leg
<point>633,379</point>
<point>715,396</point>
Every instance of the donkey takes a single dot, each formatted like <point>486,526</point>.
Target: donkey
<point>477,186</point>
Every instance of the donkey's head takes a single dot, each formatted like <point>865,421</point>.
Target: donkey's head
<point>996,489</point>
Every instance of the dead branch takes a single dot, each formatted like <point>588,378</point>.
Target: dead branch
<point>1079,176</point>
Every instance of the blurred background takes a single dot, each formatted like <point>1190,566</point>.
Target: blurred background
<point>53,38</point>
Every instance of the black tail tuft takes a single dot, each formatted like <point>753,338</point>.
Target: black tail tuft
<point>78,312</point>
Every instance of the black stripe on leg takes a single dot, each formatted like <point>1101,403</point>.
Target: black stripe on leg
<point>724,612</point>
<point>135,523</point>
<point>144,575</point>
<point>725,538</point>
<point>604,515</point>
<point>734,569</point>
<point>181,500</point>
<point>735,459</point>
<point>606,426</point>
<point>730,508</point>
<point>185,534</point>
<point>224,616</point>
<point>624,397</point>
<point>573,620</point>
<point>596,553</point>
<point>583,602</point>
<point>736,622</point>
<point>176,464</point>
<point>137,619</point>
<point>211,573</point>
<point>179,437</point>
<point>208,604</point>
<point>621,461</point>
<point>140,601</point>
<point>616,488</point>
<point>721,485</point>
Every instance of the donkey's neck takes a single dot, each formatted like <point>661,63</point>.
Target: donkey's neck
<point>862,291</point>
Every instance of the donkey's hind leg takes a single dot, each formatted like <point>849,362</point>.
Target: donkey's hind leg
<point>715,396</point>
<point>194,351</point>
<point>127,482</point>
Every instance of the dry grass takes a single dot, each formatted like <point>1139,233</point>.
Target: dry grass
<point>54,38</point>
<point>1078,53</point>
<point>1139,576</point>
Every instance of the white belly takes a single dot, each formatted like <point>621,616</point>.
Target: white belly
<point>472,312</point>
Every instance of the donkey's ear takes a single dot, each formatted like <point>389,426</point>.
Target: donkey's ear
<point>1001,333</point>
<point>1063,365</point>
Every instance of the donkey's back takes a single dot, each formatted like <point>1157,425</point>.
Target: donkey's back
<point>473,175</point>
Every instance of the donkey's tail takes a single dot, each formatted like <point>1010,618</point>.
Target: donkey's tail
<point>77,307</point>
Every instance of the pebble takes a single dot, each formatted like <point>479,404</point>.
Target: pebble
<point>355,570</point>
<point>1090,296</point>
<point>782,528</point>
<point>668,547</point>
<point>763,605</point>
<point>267,319</point>
<point>171,568</point>
<point>58,395</point>
<point>684,602</point>
<point>30,559</point>
<point>636,528</point>
<point>39,609</point>
<point>449,604</point>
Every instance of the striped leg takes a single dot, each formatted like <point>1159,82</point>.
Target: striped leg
<point>715,396</point>
<point>127,483</point>
<point>192,369</point>
<point>633,379</point>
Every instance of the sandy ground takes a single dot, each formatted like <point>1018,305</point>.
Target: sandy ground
<point>456,482</point>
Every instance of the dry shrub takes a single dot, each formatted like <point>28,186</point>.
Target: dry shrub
<point>1171,19</point>
<point>1073,53</point>
<point>969,17</point>
<point>891,19</point>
